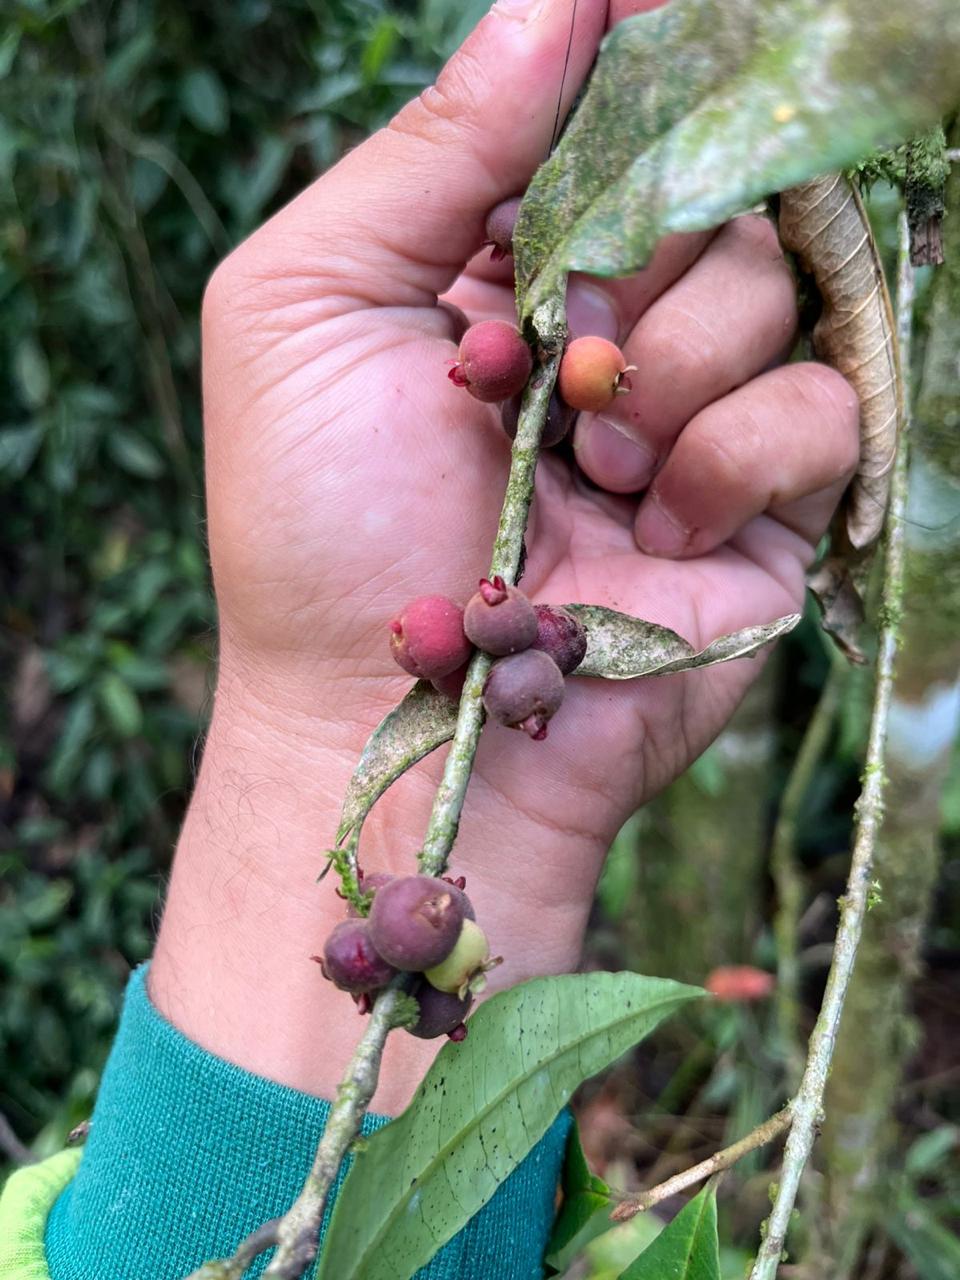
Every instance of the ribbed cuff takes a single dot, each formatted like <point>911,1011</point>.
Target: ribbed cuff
<point>188,1153</point>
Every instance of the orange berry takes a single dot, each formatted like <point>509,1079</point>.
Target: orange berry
<point>592,372</point>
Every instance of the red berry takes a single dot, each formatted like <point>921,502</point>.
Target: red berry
<point>494,361</point>
<point>501,220</point>
<point>427,639</point>
<point>441,1014</point>
<point>559,419</point>
<point>524,691</point>
<point>732,982</point>
<point>352,962</point>
<point>451,686</point>
<point>560,635</point>
<point>415,921</point>
<point>499,619</point>
<point>592,372</point>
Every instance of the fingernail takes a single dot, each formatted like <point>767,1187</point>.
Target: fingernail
<point>613,458</point>
<point>590,311</point>
<point>658,532</point>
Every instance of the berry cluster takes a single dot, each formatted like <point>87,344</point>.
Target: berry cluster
<point>494,361</point>
<point>417,924</point>
<point>535,645</point>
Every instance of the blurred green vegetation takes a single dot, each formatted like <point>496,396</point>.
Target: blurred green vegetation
<point>139,141</point>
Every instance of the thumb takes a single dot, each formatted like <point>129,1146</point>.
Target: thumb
<point>396,220</point>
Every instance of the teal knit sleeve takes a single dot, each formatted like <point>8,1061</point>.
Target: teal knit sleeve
<point>188,1153</point>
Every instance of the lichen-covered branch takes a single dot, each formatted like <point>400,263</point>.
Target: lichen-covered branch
<point>720,1160</point>
<point>808,1104</point>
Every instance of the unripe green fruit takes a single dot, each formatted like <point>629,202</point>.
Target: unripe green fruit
<point>501,220</point>
<point>494,361</point>
<point>524,691</point>
<point>560,635</point>
<point>559,420</point>
<point>464,962</point>
<point>415,921</point>
<point>499,619</point>
<point>440,1014</point>
<point>427,639</point>
<point>351,960</point>
<point>592,372</point>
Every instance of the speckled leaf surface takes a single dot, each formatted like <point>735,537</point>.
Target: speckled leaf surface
<point>480,1109</point>
<point>422,721</point>
<point>814,88</point>
<point>687,1248</point>
<point>621,647</point>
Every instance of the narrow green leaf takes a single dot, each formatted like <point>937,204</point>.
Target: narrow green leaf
<point>32,372</point>
<point>928,1243</point>
<point>18,448</point>
<point>134,454</point>
<point>621,647</point>
<point>480,1109</point>
<point>204,100</point>
<point>816,93</point>
<point>421,722</point>
<point>688,1248</point>
<point>121,705</point>
<point>585,1210</point>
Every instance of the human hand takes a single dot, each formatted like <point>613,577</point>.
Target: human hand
<point>346,474</point>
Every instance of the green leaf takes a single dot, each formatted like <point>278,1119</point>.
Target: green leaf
<point>18,448</point>
<point>135,454</point>
<point>931,1246</point>
<point>621,647</point>
<point>688,1248</point>
<point>121,705</point>
<point>804,89</point>
<point>480,1109</point>
<point>32,372</point>
<point>204,100</point>
<point>584,1212</point>
<point>421,722</point>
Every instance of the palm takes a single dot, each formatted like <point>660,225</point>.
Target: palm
<point>363,477</point>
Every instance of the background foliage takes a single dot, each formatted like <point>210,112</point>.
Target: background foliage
<point>139,141</point>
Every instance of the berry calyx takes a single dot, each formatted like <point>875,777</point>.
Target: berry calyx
<point>441,1014</point>
<point>592,372</point>
<point>559,419</point>
<point>560,635</point>
<point>493,361</point>
<point>427,639</point>
<point>351,960</point>
<point>524,691</point>
<point>499,619</point>
<point>499,226</point>
<point>464,967</point>
<point>415,921</point>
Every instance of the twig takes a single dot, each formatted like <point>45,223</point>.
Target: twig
<point>786,876</point>
<point>807,1105</point>
<point>295,1234</point>
<point>720,1160</point>
<point>11,1145</point>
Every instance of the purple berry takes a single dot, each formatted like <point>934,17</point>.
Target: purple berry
<point>352,962</point>
<point>500,619</point>
<point>559,419</point>
<point>427,638</point>
<point>441,1014</point>
<point>501,220</point>
<point>415,921</point>
<point>524,691</point>
<point>369,884</point>
<point>560,635</point>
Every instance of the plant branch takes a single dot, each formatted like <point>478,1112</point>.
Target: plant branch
<point>720,1160</point>
<point>786,876</point>
<point>808,1104</point>
<point>296,1233</point>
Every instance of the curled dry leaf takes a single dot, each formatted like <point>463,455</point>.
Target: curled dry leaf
<point>825,224</point>
<point>620,647</point>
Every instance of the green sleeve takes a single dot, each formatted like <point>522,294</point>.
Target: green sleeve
<point>188,1153</point>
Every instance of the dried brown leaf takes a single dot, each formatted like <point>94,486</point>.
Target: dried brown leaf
<point>824,223</point>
